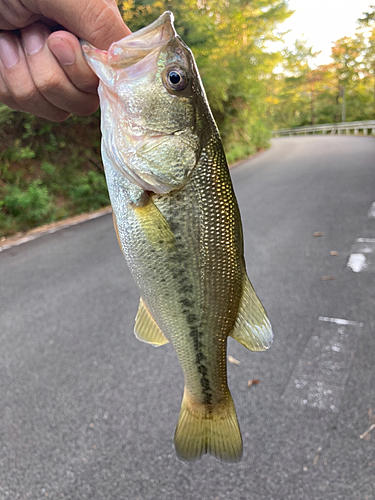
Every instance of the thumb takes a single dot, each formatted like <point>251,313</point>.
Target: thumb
<point>97,21</point>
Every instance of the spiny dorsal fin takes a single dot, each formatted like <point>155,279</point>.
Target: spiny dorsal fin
<point>146,329</point>
<point>252,328</point>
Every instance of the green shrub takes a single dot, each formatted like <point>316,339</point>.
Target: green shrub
<point>48,168</point>
<point>19,153</point>
<point>89,192</point>
<point>30,206</point>
<point>6,115</point>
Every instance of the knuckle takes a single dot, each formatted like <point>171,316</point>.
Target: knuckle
<point>25,95</point>
<point>13,15</point>
<point>50,84</point>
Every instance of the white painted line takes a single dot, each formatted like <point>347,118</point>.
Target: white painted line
<point>371,212</point>
<point>356,262</point>
<point>365,240</point>
<point>362,255</point>
<point>339,321</point>
<point>318,380</point>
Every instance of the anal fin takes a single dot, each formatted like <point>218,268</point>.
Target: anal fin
<point>146,329</point>
<point>252,328</point>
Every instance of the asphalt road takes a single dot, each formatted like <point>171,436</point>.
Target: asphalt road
<point>89,412</point>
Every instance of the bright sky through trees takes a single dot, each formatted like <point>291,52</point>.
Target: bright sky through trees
<point>322,22</point>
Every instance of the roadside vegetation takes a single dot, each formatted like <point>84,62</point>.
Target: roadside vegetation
<point>49,171</point>
<point>343,90</point>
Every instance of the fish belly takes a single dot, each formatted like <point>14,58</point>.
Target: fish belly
<point>189,270</point>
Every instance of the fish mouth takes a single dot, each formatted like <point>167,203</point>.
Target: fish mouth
<point>137,46</point>
<point>131,144</point>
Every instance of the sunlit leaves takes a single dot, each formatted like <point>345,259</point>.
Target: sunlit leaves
<point>229,40</point>
<point>343,89</point>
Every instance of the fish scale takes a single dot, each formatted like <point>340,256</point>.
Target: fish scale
<point>178,225</point>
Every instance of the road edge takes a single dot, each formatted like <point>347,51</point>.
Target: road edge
<point>20,238</point>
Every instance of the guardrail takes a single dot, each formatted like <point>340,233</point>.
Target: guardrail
<point>365,127</point>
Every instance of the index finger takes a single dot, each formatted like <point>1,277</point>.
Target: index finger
<point>97,21</point>
<point>67,50</point>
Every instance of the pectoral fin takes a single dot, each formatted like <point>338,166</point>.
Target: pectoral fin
<point>154,225</point>
<point>146,329</point>
<point>252,328</point>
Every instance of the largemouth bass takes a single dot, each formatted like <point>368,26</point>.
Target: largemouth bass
<point>178,225</point>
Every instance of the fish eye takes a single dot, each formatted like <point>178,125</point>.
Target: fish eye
<point>176,79</point>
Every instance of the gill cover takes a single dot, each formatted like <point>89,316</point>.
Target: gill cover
<point>148,106</point>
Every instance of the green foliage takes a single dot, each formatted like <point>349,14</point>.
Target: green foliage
<point>6,115</point>
<point>30,206</point>
<point>48,170</point>
<point>18,153</point>
<point>229,41</point>
<point>343,89</point>
<point>90,192</point>
<point>53,170</point>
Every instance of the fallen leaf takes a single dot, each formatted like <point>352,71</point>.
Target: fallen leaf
<point>255,381</point>
<point>318,233</point>
<point>366,433</point>
<point>333,253</point>
<point>325,278</point>
<point>315,460</point>
<point>234,361</point>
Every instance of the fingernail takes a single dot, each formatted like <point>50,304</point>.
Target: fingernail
<point>9,52</point>
<point>63,51</point>
<point>33,41</point>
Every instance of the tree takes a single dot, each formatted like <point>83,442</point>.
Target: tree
<point>229,41</point>
<point>295,87</point>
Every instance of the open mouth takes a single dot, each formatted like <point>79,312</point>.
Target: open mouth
<point>135,47</point>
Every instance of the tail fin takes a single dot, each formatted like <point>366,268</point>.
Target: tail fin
<point>210,429</point>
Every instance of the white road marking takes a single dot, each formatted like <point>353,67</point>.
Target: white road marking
<point>319,378</point>
<point>340,321</point>
<point>356,262</point>
<point>371,212</point>
<point>365,240</point>
<point>362,255</point>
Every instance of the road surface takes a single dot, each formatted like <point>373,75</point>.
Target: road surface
<point>89,412</point>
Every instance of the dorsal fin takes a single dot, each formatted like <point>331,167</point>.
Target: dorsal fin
<point>146,329</point>
<point>252,328</point>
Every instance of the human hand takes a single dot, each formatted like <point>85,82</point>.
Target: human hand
<point>44,72</point>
